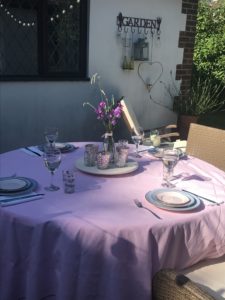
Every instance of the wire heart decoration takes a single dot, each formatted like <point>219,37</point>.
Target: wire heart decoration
<point>144,73</point>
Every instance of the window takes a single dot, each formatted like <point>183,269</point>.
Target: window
<point>43,39</point>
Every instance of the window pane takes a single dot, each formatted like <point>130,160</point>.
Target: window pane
<point>63,36</point>
<point>18,37</point>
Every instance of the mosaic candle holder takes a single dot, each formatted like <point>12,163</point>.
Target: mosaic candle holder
<point>103,159</point>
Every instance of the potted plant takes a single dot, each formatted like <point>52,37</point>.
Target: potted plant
<point>205,96</point>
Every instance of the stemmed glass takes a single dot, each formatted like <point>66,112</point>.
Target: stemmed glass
<point>51,135</point>
<point>52,160</point>
<point>170,158</point>
<point>137,137</point>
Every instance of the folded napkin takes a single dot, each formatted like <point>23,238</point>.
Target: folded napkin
<point>209,192</point>
<point>179,144</point>
<point>13,200</point>
<point>32,150</point>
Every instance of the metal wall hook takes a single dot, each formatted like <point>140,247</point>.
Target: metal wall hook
<point>125,29</point>
<point>139,31</point>
<point>146,31</point>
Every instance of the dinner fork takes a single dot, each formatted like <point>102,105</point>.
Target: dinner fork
<point>140,205</point>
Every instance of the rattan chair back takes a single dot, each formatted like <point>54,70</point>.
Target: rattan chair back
<point>169,285</point>
<point>208,144</point>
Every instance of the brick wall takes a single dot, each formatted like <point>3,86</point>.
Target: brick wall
<point>186,41</point>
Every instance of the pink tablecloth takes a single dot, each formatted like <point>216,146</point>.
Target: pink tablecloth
<point>95,243</point>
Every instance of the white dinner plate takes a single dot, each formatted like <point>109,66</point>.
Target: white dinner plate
<point>152,197</point>
<point>17,185</point>
<point>172,197</point>
<point>130,166</point>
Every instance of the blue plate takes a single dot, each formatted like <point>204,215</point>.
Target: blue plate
<point>30,186</point>
<point>193,202</point>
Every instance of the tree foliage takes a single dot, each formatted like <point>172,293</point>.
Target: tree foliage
<point>209,54</point>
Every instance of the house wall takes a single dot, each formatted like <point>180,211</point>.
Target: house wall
<point>26,108</point>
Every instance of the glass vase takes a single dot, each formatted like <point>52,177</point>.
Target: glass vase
<point>109,145</point>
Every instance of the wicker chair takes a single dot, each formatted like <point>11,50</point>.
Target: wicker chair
<point>209,274</point>
<point>208,144</point>
<point>166,132</point>
<point>169,285</point>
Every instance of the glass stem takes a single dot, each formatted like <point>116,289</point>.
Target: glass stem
<point>52,176</point>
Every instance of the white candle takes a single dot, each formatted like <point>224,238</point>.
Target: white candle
<point>156,141</point>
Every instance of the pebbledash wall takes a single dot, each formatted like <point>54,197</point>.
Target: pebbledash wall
<point>26,108</point>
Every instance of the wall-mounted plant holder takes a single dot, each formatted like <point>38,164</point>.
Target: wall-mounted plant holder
<point>141,49</point>
<point>138,29</point>
<point>128,63</point>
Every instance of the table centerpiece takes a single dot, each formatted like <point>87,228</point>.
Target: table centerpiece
<point>108,111</point>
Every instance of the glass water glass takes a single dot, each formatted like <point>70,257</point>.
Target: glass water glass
<point>137,137</point>
<point>52,160</point>
<point>51,135</point>
<point>170,158</point>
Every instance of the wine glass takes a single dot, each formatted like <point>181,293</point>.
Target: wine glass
<point>52,160</point>
<point>51,135</point>
<point>137,136</point>
<point>170,158</point>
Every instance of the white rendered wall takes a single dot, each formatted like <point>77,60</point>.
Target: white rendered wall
<point>26,108</point>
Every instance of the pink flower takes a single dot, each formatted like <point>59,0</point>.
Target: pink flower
<point>108,110</point>
<point>117,112</point>
<point>114,122</point>
<point>102,104</point>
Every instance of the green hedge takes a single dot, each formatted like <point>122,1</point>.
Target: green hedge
<point>209,54</point>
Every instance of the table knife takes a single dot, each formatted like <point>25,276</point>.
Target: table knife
<point>27,148</point>
<point>209,200</point>
<point>20,198</point>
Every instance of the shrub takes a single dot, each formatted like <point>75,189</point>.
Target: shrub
<point>209,53</point>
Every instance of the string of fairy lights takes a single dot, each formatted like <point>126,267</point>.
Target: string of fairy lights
<point>23,23</point>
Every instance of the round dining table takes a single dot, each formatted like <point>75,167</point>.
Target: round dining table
<point>96,243</point>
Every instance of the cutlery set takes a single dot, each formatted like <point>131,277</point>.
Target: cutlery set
<point>20,199</point>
